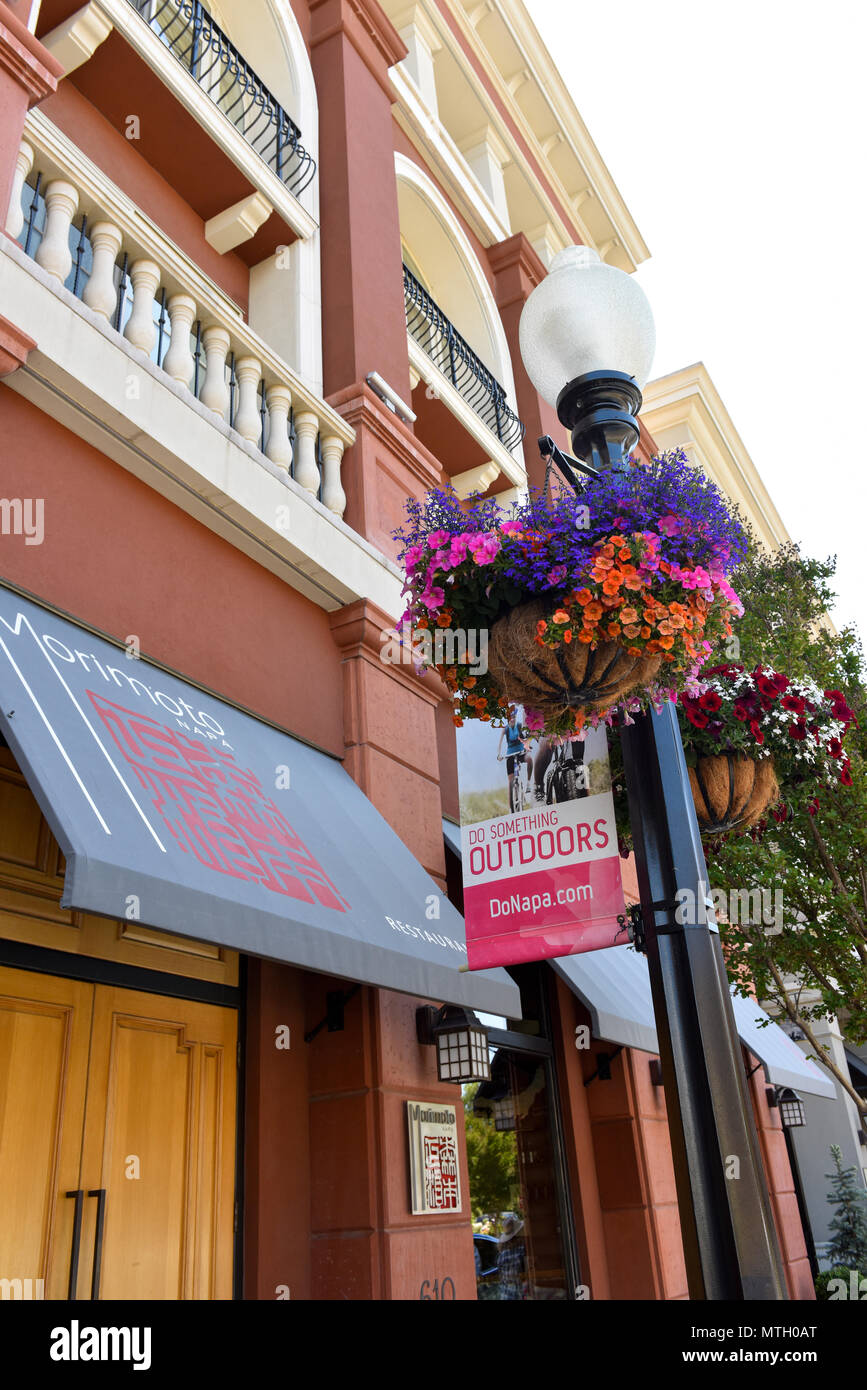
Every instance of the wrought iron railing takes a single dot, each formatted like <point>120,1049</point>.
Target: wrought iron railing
<point>198,42</point>
<point>456,360</point>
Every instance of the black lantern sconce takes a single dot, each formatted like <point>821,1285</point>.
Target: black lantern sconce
<point>460,1039</point>
<point>791,1106</point>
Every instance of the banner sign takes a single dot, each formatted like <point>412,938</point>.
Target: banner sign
<point>434,1174</point>
<point>541,868</point>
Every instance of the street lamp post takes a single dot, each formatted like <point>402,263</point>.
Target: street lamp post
<point>587,339</point>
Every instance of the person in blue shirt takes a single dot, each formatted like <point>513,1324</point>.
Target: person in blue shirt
<point>514,737</point>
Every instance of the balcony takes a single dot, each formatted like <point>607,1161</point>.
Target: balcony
<point>198,43</point>
<point>83,232</point>
<point>455,360</point>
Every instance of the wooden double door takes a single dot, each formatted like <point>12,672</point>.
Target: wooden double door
<point>117,1141</point>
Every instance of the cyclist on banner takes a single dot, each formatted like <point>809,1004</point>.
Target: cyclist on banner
<point>516,738</point>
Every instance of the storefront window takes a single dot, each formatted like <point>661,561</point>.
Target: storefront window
<point>519,1205</point>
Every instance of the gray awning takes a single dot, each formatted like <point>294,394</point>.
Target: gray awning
<point>615,987</point>
<point>614,984</point>
<point>176,809</point>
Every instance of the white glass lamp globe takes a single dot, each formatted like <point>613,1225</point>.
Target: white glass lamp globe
<point>585,316</point>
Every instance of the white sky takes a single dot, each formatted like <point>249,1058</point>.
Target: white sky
<point>736,134</point>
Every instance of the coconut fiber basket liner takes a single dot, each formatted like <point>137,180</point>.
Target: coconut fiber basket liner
<point>731,792</point>
<point>567,677</point>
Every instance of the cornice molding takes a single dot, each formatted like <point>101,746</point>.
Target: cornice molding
<point>25,59</point>
<point>357,632</point>
<point>364,25</point>
<point>362,409</point>
<point>15,345</point>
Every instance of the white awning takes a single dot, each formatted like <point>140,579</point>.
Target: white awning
<point>614,984</point>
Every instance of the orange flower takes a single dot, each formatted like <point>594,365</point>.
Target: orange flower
<point>541,626</point>
<point>457,721</point>
<point>634,630</point>
<point>645,632</point>
<point>593,612</point>
<point>481,702</point>
<point>567,636</point>
<point>422,623</point>
<point>469,682</point>
<point>633,582</point>
<point>601,563</point>
<point>628,615</point>
<point>613,629</point>
<point>624,554</point>
<point>634,651</point>
<point>666,643</point>
<point>561,616</point>
<point>444,619</point>
<point>676,622</point>
<point>583,597</point>
<point>617,540</point>
<point>664,626</point>
<point>608,550</point>
<point>653,647</point>
<point>579,719</point>
<point>585,635</point>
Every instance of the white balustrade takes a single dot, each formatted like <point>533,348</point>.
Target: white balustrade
<point>23,165</point>
<point>215,391</point>
<point>53,253</point>
<point>306,467</point>
<point>178,361</point>
<point>100,292</point>
<point>248,374</point>
<point>279,446</point>
<point>140,329</point>
<point>333,496</point>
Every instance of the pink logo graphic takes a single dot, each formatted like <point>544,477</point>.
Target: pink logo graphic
<point>440,1173</point>
<point>215,809</point>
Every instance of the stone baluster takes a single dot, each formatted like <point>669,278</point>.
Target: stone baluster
<point>140,329</point>
<point>333,496</point>
<point>279,447</point>
<point>23,165</point>
<point>53,253</point>
<point>100,292</point>
<point>178,361</point>
<point>306,467</point>
<point>248,422</point>
<point>215,391</point>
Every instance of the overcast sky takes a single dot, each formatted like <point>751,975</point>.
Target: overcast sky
<point>736,135</point>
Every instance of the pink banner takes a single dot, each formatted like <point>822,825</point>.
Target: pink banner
<point>541,868</point>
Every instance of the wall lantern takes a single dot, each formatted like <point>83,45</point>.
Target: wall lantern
<point>791,1106</point>
<point>460,1039</point>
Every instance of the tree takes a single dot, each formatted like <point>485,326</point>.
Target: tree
<point>849,1226</point>
<point>817,965</point>
<point>492,1161</point>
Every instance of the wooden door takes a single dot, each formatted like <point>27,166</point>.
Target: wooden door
<point>45,1026</point>
<point>129,1098</point>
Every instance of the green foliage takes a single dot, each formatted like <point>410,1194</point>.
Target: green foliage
<point>492,1160</point>
<point>849,1225</point>
<point>839,1272</point>
<point>818,861</point>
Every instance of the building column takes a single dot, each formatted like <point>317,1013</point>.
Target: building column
<point>781,1185</point>
<point>28,74</point>
<point>518,269</point>
<point>352,46</point>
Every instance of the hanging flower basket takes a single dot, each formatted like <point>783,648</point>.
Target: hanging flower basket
<point>555,680</point>
<point>572,604</point>
<point>731,792</point>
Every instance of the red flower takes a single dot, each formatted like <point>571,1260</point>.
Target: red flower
<point>710,700</point>
<point>756,732</point>
<point>793,703</point>
<point>766,685</point>
<point>813,806</point>
<point>846,775</point>
<point>798,731</point>
<point>697,718</point>
<point>835,747</point>
<point>781,682</point>
<point>740,712</point>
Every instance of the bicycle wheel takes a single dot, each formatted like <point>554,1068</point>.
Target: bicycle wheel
<point>515,797</point>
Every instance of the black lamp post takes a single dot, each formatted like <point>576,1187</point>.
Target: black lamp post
<point>590,326</point>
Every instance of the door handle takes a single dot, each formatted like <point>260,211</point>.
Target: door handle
<point>76,1240</point>
<point>99,1194</point>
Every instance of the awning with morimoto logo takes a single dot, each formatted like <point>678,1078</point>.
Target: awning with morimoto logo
<point>179,810</point>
